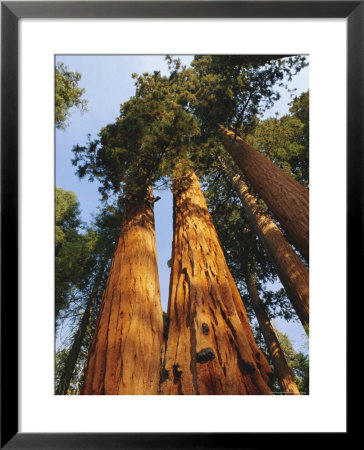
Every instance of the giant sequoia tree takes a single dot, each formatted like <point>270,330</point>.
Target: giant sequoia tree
<point>125,354</point>
<point>210,345</point>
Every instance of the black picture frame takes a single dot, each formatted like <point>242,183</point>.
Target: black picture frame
<point>11,12</point>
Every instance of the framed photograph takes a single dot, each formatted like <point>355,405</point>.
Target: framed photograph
<point>41,39</point>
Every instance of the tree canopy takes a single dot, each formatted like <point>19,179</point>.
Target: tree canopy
<point>233,90</point>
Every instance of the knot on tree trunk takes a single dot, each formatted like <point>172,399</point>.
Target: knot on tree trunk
<point>205,355</point>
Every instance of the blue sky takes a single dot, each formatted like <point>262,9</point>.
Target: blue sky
<point>108,83</point>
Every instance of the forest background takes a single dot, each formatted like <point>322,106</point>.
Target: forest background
<point>108,83</point>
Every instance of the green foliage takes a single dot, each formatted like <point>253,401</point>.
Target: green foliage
<point>161,124</point>
<point>67,94</point>
<point>300,108</point>
<point>297,361</point>
<point>66,215</point>
<point>285,141</point>
<point>233,90</point>
<point>73,263</point>
<point>70,246</point>
<point>141,147</point>
<point>300,161</point>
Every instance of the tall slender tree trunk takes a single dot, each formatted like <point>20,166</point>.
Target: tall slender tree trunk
<point>210,346</point>
<point>70,363</point>
<point>285,197</point>
<point>125,353</point>
<point>291,270</point>
<point>281,368</point>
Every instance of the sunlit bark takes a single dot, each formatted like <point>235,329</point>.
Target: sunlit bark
<point>125,353</point>
<point>210,347</point>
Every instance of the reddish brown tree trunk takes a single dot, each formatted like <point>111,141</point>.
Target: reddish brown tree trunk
<point>210,347</point>
<point>285,197</point>
<point>291,270</point>
<point>125,353</point>
<point>281,368</point>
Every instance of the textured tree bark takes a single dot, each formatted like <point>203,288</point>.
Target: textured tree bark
<point>281,368</point>
<point>285,197</point>
<point>71,360</point>
<point>291,270</point>
<point>126,350</point>
<point>210,346</point>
